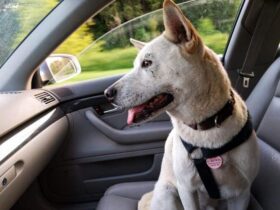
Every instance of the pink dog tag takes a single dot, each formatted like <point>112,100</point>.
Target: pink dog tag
<point>215,162</point>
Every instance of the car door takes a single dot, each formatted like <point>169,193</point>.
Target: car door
<point>100,149</point>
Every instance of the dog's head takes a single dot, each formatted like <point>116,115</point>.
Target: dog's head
<point>167,71</point>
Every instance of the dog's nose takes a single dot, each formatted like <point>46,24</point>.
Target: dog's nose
<point>110,93</point>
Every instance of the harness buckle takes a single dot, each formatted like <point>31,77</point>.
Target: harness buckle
<point>217,125</point>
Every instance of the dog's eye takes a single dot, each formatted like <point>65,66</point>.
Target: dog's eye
<point>146,63</point>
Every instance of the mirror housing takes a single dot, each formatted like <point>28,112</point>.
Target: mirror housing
<point>58,68</point>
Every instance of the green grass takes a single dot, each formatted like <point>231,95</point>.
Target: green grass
<point>216,42</point>
<point>91,75</point>
<point>97,63</point>
<point>101,61</point>
<point>214,39</point>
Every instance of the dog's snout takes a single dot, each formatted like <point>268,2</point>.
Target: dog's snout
<point>110,93</point>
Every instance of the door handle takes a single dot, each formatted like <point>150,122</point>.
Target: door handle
<point>114,110</point>
<point>149,132</point>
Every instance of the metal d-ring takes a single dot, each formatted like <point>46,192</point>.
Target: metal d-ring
<point>216,122</point>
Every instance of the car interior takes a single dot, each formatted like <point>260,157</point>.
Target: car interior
<point>68,148</point>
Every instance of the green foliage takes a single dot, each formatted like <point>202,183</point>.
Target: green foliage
<point>30,12</point>
<point>77,41</point>
<point>212,37</point>
<point>108,60</point>
<point>219,13</point>
<point>17,19</point>
<point>120,12</point>
<point>8,22</point>
<point>206,26</point>
<point>216,42</point>
<point>90,75</point>
<point>113,54</point>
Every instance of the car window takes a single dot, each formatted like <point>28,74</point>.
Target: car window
<point>102,43</point>
<point>17,19</point>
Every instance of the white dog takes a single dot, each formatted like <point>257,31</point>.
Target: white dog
<point>211,155</point>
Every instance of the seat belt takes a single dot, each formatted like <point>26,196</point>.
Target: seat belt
<point>264,22</point>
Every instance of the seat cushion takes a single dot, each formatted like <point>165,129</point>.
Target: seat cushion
<point>254,204</point>
<point>264,105</point>
<point>124,196</point>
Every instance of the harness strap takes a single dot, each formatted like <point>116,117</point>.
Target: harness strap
<point>203,170</point>
<point>237,140</point>
<point>207,178</point>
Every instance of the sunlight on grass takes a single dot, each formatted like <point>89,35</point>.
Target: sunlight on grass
<point>91,75</point>
<point>119,58</point>
<point>216,42</point>
<point>97,62</point>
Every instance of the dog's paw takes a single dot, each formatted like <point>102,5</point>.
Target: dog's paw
<point>145,202</point>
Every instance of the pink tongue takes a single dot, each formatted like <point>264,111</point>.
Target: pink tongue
<point>132,112</point>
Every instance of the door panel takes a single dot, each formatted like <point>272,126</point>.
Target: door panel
<point>100,149</point>
<point>86,141</point>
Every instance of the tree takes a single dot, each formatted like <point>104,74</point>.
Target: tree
<point>17,19</point>
<point>218,12</point>
<point>8,26</point>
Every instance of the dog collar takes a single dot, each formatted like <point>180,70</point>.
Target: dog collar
<point>217,119</point>
<point>202,164</point>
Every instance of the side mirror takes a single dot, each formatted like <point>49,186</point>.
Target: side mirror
<point>58,68</point>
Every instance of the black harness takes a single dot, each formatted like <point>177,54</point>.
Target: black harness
<point>203,169</point>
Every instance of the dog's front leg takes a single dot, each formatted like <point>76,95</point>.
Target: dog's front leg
<point>165,194</point>
<point>166,197</point>
<point>189,199</point>
<point>241,202</point>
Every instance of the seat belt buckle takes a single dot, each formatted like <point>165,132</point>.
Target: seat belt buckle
<point>246,78</point>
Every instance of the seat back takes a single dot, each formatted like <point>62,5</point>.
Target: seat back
<point>264,106</point>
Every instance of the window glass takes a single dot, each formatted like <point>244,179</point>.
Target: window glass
<point>17,19</point>
<point>102,43</point>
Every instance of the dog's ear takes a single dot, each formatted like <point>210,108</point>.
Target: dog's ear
<point>138,44</point>
<point>178,28</point>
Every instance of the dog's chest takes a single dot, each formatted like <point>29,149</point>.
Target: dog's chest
<point>184,168</point>
<point>228,178</point>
